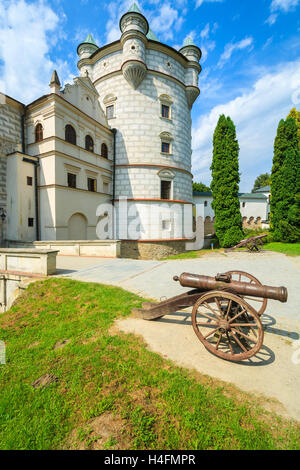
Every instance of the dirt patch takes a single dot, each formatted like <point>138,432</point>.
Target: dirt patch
<point>33,345</point>
<point>61,344</point>
<point>44,381</point>
<point>107,431</point>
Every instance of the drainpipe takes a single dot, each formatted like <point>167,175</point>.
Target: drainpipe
<point>23,129</point>
<point>114,178</point>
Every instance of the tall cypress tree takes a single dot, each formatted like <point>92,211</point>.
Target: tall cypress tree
<point>225,183</point>
<point>285,183</point>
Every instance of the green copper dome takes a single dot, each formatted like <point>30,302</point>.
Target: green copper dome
<point>90,40</point>
<point>188,42</point>
<point>134,8</point>
<point>152,36</point>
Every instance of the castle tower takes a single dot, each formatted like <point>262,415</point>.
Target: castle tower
<point>147,90</point>
<point>134,28</point>
<point>193,54</point>
<point>87,47</point>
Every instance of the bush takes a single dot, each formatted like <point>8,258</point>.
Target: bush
<point>232,237</point>
<point>286,233</point>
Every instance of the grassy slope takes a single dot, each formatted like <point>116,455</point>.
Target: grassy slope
<point>112,392</point>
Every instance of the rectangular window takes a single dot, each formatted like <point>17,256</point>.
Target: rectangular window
<point>165,111</point>
<point>165,189</point>
<point>166,224</point>
<point>71,180</point>
<point>30,222</point>
<point>165,147</point>
<point>29,180</point>
<point>92,184</point>
<point>110,111</point>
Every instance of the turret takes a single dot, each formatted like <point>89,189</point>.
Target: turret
<point>134,28</point>
<point>193,54</point>
<point>55,83</point>
<point>87,48</point>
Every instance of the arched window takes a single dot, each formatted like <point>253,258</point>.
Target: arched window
<point>104,151</point>
<point>89,143</point>
<point>38,132</point>
<point>70,134</point>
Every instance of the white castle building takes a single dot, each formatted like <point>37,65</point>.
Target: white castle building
<point>122,130</point>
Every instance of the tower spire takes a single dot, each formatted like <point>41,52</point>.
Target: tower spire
<point>55,83</point>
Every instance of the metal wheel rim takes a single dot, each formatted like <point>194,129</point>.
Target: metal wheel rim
<point>253,279</point>
<point>228,330</point>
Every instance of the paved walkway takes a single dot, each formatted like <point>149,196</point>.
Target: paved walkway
<point>273,373</point>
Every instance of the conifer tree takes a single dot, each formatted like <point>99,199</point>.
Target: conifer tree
<point>296,115</point>
<point>285,183</point>
<point>225,183</point>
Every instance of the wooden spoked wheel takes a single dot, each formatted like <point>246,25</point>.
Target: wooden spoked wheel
<point>258,303</point>
<point>227,326</point>
<point>254,245</point>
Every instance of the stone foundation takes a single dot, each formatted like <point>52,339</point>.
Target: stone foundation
<point>151,249</point>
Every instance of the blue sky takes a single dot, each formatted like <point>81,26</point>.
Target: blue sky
<point>251,60</point>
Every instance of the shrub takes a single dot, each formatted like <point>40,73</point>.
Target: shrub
<point>232,237</point>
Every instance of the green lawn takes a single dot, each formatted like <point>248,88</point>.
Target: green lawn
<point>290,249</point>
<point>111,392</point>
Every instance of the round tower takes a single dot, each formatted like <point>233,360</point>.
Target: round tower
<point>147,89</point>
<point>134,28</point>
<point>193,55</point>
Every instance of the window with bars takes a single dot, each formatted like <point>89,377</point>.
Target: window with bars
<point>71,180</point>
<point>165,189</point>
<point>38,132</point>
<point>165,111</point>
<point>104,151</point>
<point>110,111</point>
<point>89,143</point>
<point>165,147</point>
<point>70,134</point>
<point>92,184</point>
<point>29,180</point>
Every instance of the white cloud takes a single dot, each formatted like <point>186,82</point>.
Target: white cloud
<point>26,35</point>
<point>200,2</point>
<point>166,22</point>
<point>272,19</point>
<point>280,5</point>
<point>231,47</point>
<point>284,5</point>
<point>256,115</point>
<point>205,32</point>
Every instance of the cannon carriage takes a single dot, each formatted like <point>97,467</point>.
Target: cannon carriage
<point>226,311</point>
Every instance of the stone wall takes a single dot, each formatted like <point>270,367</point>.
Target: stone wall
<point>151,250</point>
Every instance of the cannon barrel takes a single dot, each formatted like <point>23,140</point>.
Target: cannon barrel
<point>207,283</point>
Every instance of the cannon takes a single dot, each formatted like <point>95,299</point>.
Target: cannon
<point>253,244</point>
<point>226,311</point>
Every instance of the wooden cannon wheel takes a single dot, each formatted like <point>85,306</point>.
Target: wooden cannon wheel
<point>227,325</point>
<point>254,245</point>
<point>258,303</point>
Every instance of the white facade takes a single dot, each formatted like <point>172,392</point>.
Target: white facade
<point>135,77</point>
<point>254,208</point>
<point>133,96</point>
